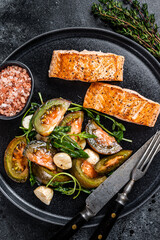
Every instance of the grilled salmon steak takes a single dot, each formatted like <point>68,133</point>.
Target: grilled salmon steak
<point>86,66</point>
<point>122,103</point>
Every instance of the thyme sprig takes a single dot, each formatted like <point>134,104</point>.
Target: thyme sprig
<point>135,22</point>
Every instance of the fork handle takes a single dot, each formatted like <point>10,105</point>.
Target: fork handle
<point>107,222</point>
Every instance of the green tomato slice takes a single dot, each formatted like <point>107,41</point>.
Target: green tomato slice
<point>15,163</point>
<point>75,121</point>
<point>83,179</point>
<point>49,115</point>
<point>44,175</point>
<point>104,143</point>
<point>110,163</point>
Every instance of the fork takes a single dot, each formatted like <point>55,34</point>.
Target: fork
<point>138,172</point>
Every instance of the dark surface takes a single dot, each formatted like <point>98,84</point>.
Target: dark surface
<point>36,54</point>
<point>18,25</point>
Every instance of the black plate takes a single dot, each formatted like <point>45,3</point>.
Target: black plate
<point>141,73</point>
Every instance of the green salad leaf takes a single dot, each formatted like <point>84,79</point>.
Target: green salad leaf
<point>32,178</point>
<point>118,129</point>
<point>67,191</point>
<point>60,138</point>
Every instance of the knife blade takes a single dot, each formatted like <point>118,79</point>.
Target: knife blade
<point>112,213</point>
<point>102,194</point>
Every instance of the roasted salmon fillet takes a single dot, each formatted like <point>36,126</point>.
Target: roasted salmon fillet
<point>122,103</point>
<point>86,66</point>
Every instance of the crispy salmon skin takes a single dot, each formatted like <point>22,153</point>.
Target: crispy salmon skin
<point>122,103</point>
<point>86,66</point>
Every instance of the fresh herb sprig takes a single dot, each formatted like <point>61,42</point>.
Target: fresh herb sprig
<point>30,133</point>
<point>135,22</point>
<point>32,178</point>
<point>117,128</point>
<point>67,191</point>
<point>82,135</point>
<point>40,97</point>
<point>60,138</point>
<point>59,186</point>
<point>63,189</point>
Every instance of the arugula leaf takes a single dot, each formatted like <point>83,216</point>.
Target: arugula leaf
<point>117,128</point>
<point>31,110</point>
<point>40,97</point>
<point>120,126</point>
<point>64,190</point>
<point>75,109</point>
<point>28,133</point>
<point>67,147</point>
<point>83,135</point>
<point>98,118</point>
<point>64,129</point>
<point>56,184</point>
<point>110,173</point>
<point>118,135</point>
<point>86,190</point>
<point>61,139</point>
<point>113,126</point>
<point>32,178</point>
<point>67,191</point>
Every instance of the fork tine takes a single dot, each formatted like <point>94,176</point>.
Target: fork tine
<point>148,164</point>
<point>156,143</point>
<point>148,149</point>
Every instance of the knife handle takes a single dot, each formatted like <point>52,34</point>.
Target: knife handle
<point>107,222</point>
<point>73,225</point>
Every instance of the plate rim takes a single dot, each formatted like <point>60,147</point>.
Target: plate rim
<point>4,187</point>
<point>133,43</point>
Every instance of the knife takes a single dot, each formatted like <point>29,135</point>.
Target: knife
<point>101,195</point>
